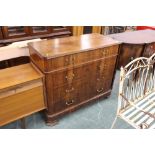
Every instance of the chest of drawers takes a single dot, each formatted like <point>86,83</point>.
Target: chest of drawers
<point>134,44</point>
<point>21,93</point>
<point>77,70</point>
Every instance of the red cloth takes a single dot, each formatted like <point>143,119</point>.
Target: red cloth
<point>145,27</point>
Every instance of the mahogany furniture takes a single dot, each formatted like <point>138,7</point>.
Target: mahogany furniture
<point>21,93</point>
<point>77,70</point>
<point>9,34</point>
<point>149,49</point>
<point>134,44</point>
<point>13,56</point>
<point>128,52</point>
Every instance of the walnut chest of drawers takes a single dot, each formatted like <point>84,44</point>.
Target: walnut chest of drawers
<point>21,93</point>
<point>77,70</point>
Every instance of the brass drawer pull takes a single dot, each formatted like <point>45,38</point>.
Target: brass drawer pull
<point>69,90</point>
<point>98,79</point>
<point>99,90</point>
<point>131,58</point>
<point>69,103</point>
<point>70,77</point>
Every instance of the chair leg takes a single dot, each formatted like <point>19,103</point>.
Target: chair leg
<point>112,126</point>
<point>23,123</point>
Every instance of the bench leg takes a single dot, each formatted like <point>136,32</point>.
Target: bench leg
<point>113,123</point>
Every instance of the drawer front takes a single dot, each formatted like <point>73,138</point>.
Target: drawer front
<point>81,58</point>
<point>69,95</point>
<point>20,88</point>
<point>71,75</point>
<point>21,104</point>
<point>103,78</point>
<point>149,50</point>
<point>128,52</point>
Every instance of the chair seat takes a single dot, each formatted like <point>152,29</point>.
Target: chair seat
<point>136,117</point>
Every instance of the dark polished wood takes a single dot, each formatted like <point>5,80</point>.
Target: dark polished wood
<point>128,52</point>
<point>149,49</point>
<point>10,34</point>
<point>77,70</point>
<point>1,34</point>
<point>134,44</point>
<point>15,31</point>
<point>13,56</point>
<point>14,62</point>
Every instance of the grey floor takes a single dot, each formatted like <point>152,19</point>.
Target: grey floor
<point>98,115</point>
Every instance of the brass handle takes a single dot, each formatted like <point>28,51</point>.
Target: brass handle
<point>69,77</point>
<point>69,103</point>
<point>69,90</point>
<point>131,58</point>
<point>98,79</point>
<point>99,90</point>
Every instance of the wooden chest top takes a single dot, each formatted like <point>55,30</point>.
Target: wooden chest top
<point>16,75</point>
<point>135,37</point>
<point>70,45</point>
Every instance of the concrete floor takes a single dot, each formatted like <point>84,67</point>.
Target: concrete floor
<point>98,115</point>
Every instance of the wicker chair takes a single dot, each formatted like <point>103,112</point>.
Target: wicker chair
<point>136,104</point>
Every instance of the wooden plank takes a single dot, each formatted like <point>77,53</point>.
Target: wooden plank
<point>17,75</point>
<point>21,104</point>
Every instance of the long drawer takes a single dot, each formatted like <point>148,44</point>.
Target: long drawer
<point>94,70</point>
<point>80,58</point>
<point>20,101</point>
